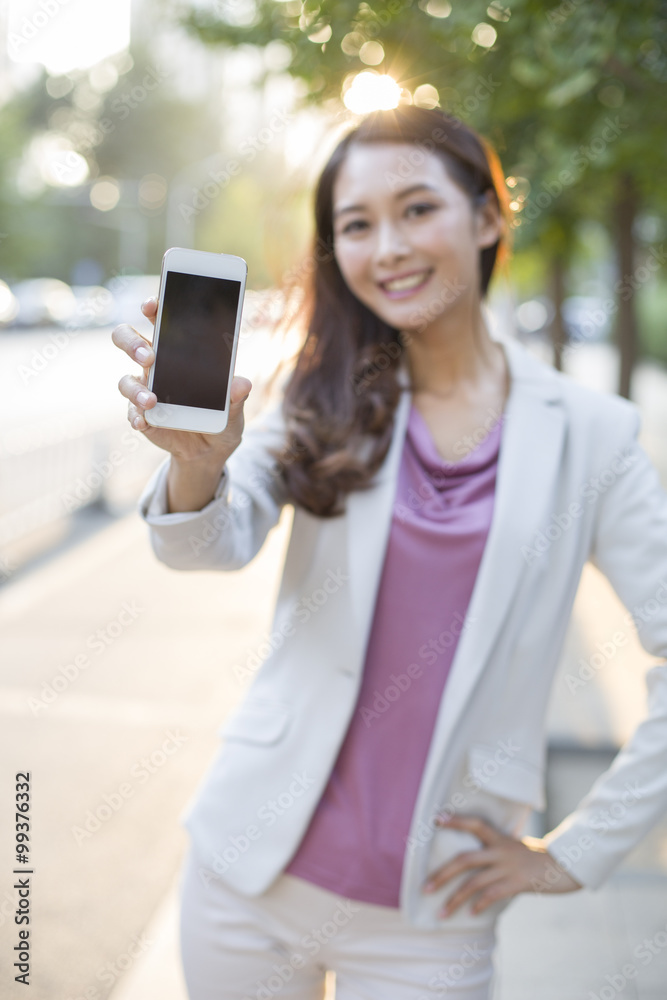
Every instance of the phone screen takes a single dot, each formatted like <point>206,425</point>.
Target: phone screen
<point>194,351</point>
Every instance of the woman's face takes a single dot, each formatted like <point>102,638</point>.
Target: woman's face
<point>406,238</point>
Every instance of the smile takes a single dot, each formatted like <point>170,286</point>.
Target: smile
<point>409,283</point>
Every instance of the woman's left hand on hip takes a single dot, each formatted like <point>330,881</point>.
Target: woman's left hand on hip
<point>503,867</point>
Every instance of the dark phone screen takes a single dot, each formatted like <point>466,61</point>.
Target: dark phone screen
<point>194,351</point>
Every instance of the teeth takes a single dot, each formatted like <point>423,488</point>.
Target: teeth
<point>401,283</point>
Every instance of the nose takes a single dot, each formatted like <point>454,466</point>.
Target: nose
<point>391,243</point>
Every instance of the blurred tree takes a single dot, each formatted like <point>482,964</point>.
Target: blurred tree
<point>132,129</point>
<point>567,93</point>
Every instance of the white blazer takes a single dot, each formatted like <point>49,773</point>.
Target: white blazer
<point>573,484</point>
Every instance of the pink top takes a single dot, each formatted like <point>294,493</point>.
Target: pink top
<point>355,842</point>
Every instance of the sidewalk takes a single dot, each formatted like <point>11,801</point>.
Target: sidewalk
<point>171,671</point>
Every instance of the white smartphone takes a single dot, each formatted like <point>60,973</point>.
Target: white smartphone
<point>196,335</point>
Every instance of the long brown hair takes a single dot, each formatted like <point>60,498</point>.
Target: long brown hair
<point>341,396</point>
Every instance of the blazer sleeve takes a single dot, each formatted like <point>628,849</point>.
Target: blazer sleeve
<point>630,548</point>
<point>230,530</point>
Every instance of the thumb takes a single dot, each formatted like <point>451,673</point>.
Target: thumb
<point>239,392</point>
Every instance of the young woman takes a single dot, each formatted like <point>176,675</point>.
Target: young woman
<point>366,808</point>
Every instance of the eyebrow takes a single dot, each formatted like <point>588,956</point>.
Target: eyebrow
<point>401,194</point>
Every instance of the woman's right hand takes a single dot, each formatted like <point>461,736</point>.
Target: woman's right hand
<point>185,446</point>
<point>197,459</point>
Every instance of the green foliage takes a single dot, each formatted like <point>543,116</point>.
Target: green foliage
<point>571,94</point>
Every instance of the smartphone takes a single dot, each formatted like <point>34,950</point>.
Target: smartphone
<point>196,335</point>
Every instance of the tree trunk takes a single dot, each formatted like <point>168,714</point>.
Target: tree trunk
<point>557,327</point>
<point>627,334</point>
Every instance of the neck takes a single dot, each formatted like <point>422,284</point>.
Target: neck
<point>454,352</point>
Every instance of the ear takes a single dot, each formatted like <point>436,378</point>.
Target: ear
<point>488,219</point>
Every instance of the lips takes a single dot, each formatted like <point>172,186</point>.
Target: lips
<point>404,284</point>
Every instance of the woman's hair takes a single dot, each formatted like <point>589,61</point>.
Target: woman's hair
<point>341,395</point>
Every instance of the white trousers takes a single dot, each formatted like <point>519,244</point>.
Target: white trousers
<point>280,945</point>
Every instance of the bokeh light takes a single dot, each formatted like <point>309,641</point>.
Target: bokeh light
<point>63,37</point>
<point>484,35</point>
<point>438,8</point>
<point>105,194</point>
<point>371,53</point>
<point>371,92</point>
<point>426,96</point>
<point>152,192</point>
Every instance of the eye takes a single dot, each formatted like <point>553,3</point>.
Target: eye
<point>351,227</point>
<point>421,208</point>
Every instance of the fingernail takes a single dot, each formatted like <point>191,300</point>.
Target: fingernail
<point>142,354</point>
<point>137,422</point>
<point>143,397</point>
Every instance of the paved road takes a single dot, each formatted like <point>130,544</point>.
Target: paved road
<point>127,736</point>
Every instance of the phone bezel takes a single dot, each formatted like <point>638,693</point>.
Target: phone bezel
<point>215,265</point>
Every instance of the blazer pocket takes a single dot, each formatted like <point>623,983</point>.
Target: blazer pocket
<point>510,777</point>
<point>257,721</point>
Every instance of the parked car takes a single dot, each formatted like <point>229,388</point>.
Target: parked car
<point>95,306</point>
<point>586,318</point>
<point>43,302</point>
<point>9,306</point>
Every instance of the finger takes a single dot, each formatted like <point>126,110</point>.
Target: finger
<point>468,889</point>
<point>136,418</point>
<point>135,390</point>
<point>138,348</point>
<point>149,308</point>
<point>473,824</point>
<point>499,890</point>
<point>461,863</point>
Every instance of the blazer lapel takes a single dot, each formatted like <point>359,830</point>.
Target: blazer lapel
<point>529,463</point>
<point>368,517</point>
